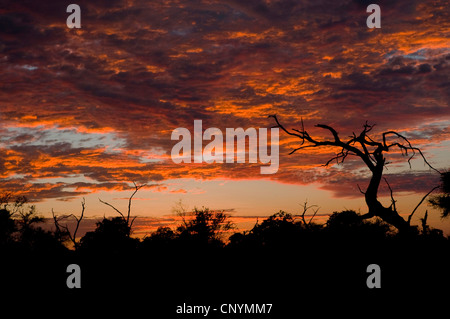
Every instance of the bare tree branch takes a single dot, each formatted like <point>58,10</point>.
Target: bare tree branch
<point>83,207</point>
<point>406,148</point>
<point>132,221</point>
<point>120,213</point>
<point>304,136</point>
<point>137,188</point>
<point>420,203</point>
<point>393,201</point>
<point>360,190</point>
<point>314,215</point>
<point>332,130</point>
<point>72,237</point>
<point>305,210</point>
<point>127,218</point>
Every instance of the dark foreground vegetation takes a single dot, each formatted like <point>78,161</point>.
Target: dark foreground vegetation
<point>286,260</point>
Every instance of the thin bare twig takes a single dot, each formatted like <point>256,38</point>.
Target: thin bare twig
<point>393,201</point>
<point>120,213</point>
<point>360,190</point>
<point>420,203</point>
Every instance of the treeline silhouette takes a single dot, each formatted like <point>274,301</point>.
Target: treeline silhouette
<point>282,258</point>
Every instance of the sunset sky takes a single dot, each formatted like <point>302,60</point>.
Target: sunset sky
<point>86,112</point>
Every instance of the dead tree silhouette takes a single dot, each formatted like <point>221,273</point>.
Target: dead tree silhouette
<point>127,218</point>
<point>62,230</point>
<point>371,152</point>
<point>305,207</point>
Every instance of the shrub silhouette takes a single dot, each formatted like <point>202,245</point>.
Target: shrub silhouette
<point>349,225</point>
<point>275,230</point>
<point>164,238</point>
<point>19,229</point>
<point>204,228</point>
<point>111,235</point>
<point>442,201</point>
<point>7,227</point>
<point>281,232</point>
<point>162,235</point>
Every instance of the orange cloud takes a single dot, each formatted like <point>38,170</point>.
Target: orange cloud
<point>100,103</point>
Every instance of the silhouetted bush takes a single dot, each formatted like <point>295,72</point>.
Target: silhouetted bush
<point>277,230</point>
<point>161,240</point>
<point>20,233</point>
<point>204,228</point>
<point>110,236</point>
<point>7,227</point>
<point>348,225</point>
<point>442,201</point>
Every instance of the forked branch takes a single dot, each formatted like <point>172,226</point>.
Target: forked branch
<point>348,147</point>
<point>305,210</point>
<point>127,218</point>
<point>370,152</point>
<point>72,237</point>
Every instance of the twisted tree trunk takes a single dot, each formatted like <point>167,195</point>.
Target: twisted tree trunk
<point>387,214</point>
